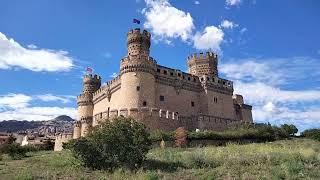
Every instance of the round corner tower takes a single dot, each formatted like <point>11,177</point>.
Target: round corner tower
<point>91,83</point>
<point>137,71</point>
<point>203,64</point>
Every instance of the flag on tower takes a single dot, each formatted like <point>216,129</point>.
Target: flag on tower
<point>89,70</point>
<point>136,21</point>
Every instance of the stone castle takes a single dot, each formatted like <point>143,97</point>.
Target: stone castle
<point>161,97</point>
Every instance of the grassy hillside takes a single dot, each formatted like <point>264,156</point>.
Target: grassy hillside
<point>289,159</point>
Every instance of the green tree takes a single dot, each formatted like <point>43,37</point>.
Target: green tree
<point>290,129</point>
<point>312,134</point>
<point>123,142</point>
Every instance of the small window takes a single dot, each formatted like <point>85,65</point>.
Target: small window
<point>171,73</point>
<point>161,98</point>
<point>138,88</point>
<point>188,78</point>
<point>164,72</point>
<point>215,99</point>
<point>158,70</point>
<point>192,104</point>
<point>179,74</point>
<point>144,103</point>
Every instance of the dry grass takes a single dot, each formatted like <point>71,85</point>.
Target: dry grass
<point>289,159</point>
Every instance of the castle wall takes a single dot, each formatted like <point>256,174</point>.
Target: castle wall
<point>177,102</point>
<point>220,105</point>
<point>247,114</point>
<point>60,139</point>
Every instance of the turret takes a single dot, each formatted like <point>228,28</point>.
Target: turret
<point>138,42</point>
<point>77,130</point>
<point>91,83</point>
<point>137,71</point>
<point>203,64</point>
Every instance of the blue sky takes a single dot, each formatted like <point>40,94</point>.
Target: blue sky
<point>270,49</point>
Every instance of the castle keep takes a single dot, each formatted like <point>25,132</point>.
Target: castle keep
<point>161,97</point>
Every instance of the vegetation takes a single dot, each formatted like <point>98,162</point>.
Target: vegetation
<point>120,143</point>
<point>312,134</point>
<point>286,159</point>
<point>258,132</point>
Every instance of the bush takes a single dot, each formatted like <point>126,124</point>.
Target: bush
<point>120,143</point>
<point>159,135</point>
<point>14,150</point>
<point>312,134</point>
<point>290,129</point>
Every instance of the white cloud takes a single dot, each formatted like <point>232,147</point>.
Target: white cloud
<point>13,55</point>
<point>243,30</point>
<point>32,46</point>
<point>196,2</point>
<point>20,107</point>
<point>14,101</point>
<point>113,75</point>
<point>37,113</point>
<point>251,71</point>
<point>262,93</point>
<point>228,24</point>
<point>166,21</point>
<point>210,38</point>
<point>264,82</point>
<point>233,2</point>
<point>50,97</point>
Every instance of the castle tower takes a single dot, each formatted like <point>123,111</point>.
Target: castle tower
<point>85,104</point>
<point>203,64</point>
<point>137,71</point>
<point>77,130</point>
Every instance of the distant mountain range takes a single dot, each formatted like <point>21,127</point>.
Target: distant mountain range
<point>59,124</point>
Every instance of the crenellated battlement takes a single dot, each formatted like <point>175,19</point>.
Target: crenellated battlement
<point>203,64</point>
<point>138,42</point>
<point>77,124</point>
<point>60,139</point>
<point>201,56</point>
<point>138,113</point>
<point>84,99</point>
<point>138,33</point>
<point>89,78</point>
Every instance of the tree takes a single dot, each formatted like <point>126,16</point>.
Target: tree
<point>312,134</point>
<point>123,142</point>
<point>290,129</point>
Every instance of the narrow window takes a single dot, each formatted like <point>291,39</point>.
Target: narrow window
<point>192,104</point>
<point>144,103</point>
<point>164,72</point>
<point>158,70</point>
<point>138,88</point>
<point>171,73</point>
<point>179,74</point>
<point>161,98</point>
<point>188,78</point>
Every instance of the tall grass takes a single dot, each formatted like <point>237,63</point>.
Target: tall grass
<point>286,159</point>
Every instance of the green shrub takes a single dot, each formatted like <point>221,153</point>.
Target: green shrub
<point>290,129</point>
<point>159,135</point>
<point>14,150</point>
<point>312,134</point>
<point>120,143</point>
